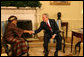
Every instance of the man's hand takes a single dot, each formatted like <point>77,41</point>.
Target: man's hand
<point>53,36</point>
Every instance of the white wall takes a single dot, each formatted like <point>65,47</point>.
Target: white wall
<point>70,13</point>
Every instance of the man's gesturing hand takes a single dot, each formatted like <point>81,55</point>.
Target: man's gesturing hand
<point>53,36</point>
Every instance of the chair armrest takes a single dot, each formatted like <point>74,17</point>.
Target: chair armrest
<point>1,36</point>
<point>25,39</point>
<point>61,30</point>
<point>2,41</point>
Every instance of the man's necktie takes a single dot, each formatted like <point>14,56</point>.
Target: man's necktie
<point>49,27</point>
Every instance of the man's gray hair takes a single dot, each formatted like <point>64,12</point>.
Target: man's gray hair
<point>46,15</point>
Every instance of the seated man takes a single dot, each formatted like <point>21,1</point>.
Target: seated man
<point>13,36</point>
<point>51,31</point>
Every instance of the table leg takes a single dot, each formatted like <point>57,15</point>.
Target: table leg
<point>66,30</point>
<point>81,38</point>
<point>72,42</point>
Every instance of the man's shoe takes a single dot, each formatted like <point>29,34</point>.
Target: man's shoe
<point>46,54</point>
<point>56,54</point>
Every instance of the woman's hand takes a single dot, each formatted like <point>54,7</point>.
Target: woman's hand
<point>26,31</point>
<point>30,32</point>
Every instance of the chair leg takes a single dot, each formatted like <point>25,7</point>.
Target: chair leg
<point>63,43</point>
<point>79,49</point>
<point>7,50</point>
<point>64,48</point>
<point>77,45</point>
<point>75,50</point>
<point>28,51</point>
<point>27,54</point>
<point>28,48</point>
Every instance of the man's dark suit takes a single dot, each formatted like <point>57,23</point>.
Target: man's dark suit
<point>48,34</point>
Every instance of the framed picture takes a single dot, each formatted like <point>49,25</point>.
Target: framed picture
<point>59,2</point>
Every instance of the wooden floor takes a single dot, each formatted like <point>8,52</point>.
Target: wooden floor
<point>36,49</point>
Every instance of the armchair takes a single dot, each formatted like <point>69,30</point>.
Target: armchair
<point>8,47</point>
<point>62,33</point>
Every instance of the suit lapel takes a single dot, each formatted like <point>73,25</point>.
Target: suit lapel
<point>46,25</point>
<point>51,23</point>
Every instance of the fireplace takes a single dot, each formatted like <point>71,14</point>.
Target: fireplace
<point>24,15</point>
<point>26,25</point>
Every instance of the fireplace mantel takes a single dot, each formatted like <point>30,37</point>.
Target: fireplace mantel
<point>20,8</point>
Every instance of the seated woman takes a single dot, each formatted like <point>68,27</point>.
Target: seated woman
<point>13,36</point>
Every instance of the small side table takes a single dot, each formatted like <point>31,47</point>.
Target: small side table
<point>78,34</point>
